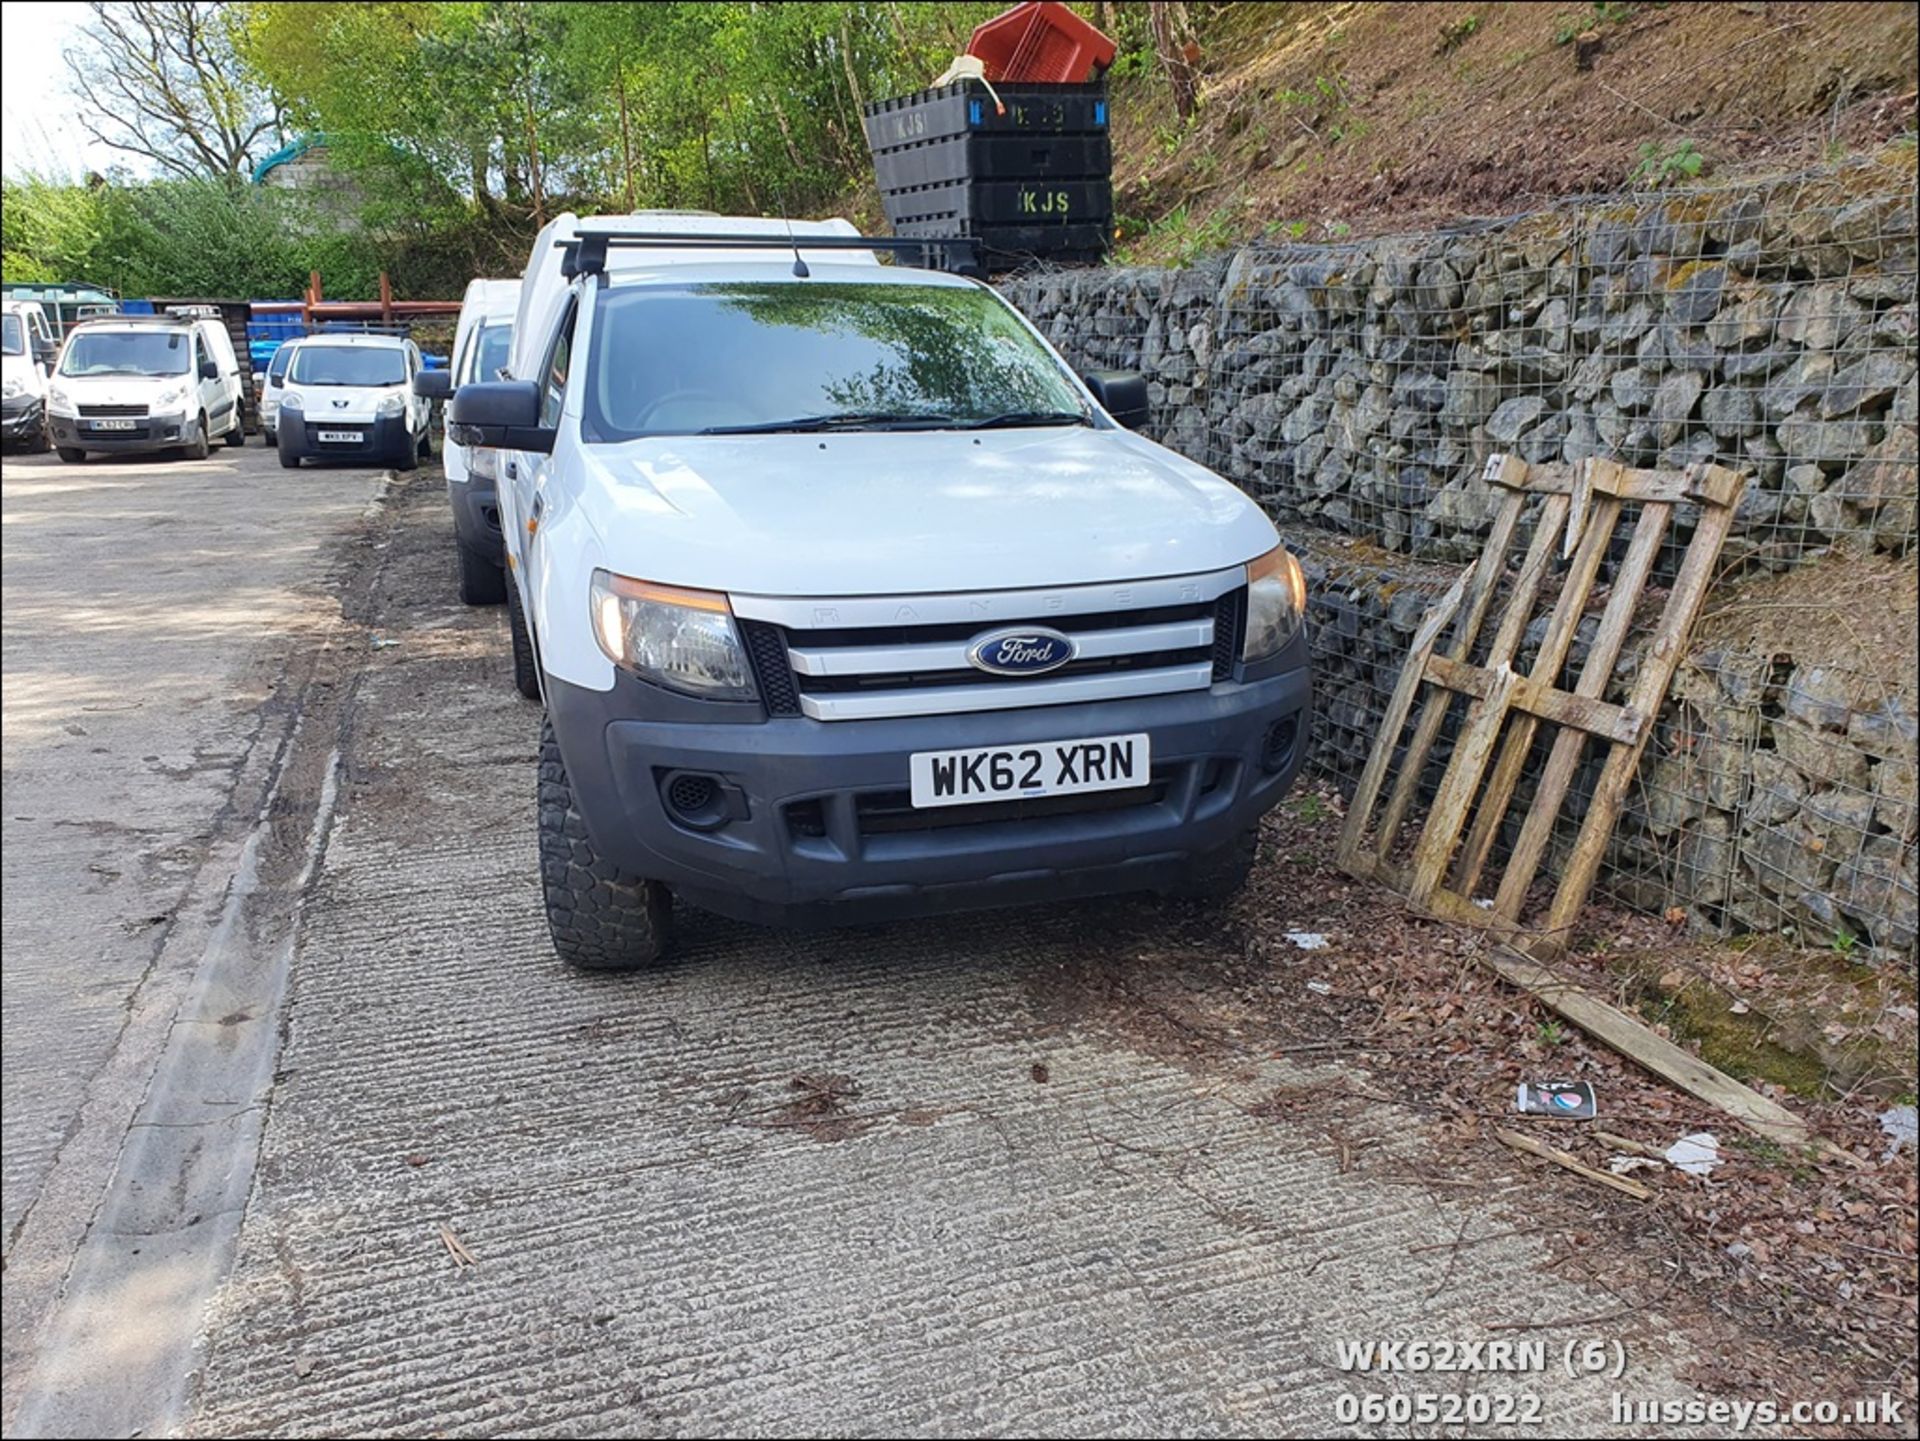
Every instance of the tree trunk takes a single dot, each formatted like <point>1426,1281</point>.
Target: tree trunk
<point>1173,44</point>
<point>626,135</point>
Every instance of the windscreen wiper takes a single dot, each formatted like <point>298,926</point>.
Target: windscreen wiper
<point>1014,419</point>
<point>839,420</point>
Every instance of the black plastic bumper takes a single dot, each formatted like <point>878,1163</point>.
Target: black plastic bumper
<point>817,825</point>
<point>22,419</point>
<point>149,432</point>
<point>476,517</point>
<point>378,441</point>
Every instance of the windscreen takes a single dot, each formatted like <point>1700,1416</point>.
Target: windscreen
<point>347,365</point>
<point>127,352</point>
<point>744,356</point>
<point>488,353</point>
<point>13,336</point>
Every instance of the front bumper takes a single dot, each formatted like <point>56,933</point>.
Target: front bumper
<point>375,440</point>
<point>476,516</point>
<point>22,417</point>
<point>149,432</point>
<point>821,828</point>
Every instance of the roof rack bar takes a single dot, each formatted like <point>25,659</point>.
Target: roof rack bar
<point>587,249</point>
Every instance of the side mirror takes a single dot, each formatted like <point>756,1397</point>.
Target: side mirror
<point>46,351</point>
<point>1122,394</point>
<point>278,382</point>
<point>502,414</point>
<point>209,370</point>
<point>433,384</point>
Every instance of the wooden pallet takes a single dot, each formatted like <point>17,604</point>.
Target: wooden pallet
<point>1579,508</point>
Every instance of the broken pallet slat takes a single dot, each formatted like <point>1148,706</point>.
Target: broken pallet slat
<point>1638,1042</point>
<point>1572,1163</point>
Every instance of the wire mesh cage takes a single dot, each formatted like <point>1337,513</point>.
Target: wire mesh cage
<point>1356,389</point>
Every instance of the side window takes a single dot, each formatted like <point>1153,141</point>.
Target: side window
<point>553,386</point>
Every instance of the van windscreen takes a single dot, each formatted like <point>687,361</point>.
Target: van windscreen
<point>127,352</point>
<point>769,356</point>
<point>347,365</point>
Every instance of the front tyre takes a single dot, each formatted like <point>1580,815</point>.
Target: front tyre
<point>602,919</point>
<point>526,666</point>
<point>237,436</point>
<point>481,581</point>
<point>197,448</point>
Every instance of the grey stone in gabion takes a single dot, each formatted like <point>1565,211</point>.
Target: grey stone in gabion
<point>1763,361</point>
<point>1884,486</point>
<point>1819,756</point>
<point>1777,790</point>
<point>1894,793</point>
<point>1865,383</point>
<point>1542,442</point>
<point>1888,728</point>
<point>1731,411</point>
<point>1694,295</point>
<point>1830,444</point>
<point>1821,696</point>
<point>1786,860</point>
<point>1821,316</point>
<point>1876,226</point>
<point>1632,389</point>
<point>1628,325</point>
<point>1674,401</point>
<point>1704,858</point>
<point>1583,440</point>
<point>1879,888</point>
<point>1470,398</point>
<point>1673,792</point>
<point>1514,416</point>
<point>1686,349</point>
<point>1741,324</point>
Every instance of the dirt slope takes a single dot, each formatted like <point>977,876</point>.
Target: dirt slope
<point>1325,119</point>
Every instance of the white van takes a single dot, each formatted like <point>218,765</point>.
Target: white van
<point>847,598</point>
<point>271,384</point>
<point>141,383</point>
<point>27,353</point>
<point>481,346</point>
<point>350,397</point>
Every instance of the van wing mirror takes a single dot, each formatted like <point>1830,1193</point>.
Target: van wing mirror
<point>277,379</point>
<point>433,384</point>
<point>1122,394</point>
<point>46,351</point>
<point>501,414</point>
<point>209,370</point>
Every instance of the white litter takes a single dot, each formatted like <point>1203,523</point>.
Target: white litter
<point>1620,1165</point>
<point>1484,902</point>
<point>1320,988</point>
<point>1308,940</point>
<point>1696,1154</point>
<point>1900,1124</point>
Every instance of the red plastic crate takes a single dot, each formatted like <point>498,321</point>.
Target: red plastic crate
<point>1042,41</point>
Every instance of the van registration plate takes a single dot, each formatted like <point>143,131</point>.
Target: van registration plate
<point>339,437</point>
<point>1030,770</point>
<point>113,424</point>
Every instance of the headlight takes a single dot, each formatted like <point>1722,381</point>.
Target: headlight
<point>1276,603</point>
<point>392,405</point>
<point>173,395</point>
<point>681,639</point>
<point>483,463</point>
<point>58,399</point>
<point>12,387</point>
<point>290,400</point>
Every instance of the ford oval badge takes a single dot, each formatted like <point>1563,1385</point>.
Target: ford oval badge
<point>1030,650</point>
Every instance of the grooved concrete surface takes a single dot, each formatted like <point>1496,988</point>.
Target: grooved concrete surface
<point>150,606</point>
<point>997,1204</point>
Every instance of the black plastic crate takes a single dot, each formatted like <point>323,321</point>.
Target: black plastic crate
<point>995,157</point>
<point>1002,247</point>
<point>1003,202</point>
<point>964,108</point>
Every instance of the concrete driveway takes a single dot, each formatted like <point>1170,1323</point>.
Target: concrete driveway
<point>282,1019</point>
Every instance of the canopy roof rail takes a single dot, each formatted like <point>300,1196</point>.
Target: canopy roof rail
<point>585,252</point>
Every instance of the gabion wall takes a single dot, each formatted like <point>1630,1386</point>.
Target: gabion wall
<point>1357,389</point>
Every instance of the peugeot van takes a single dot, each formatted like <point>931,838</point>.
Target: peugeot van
<point>350,397</point>
<point>146,383</point>
<point>847,598</point>
<point>27,353</point>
